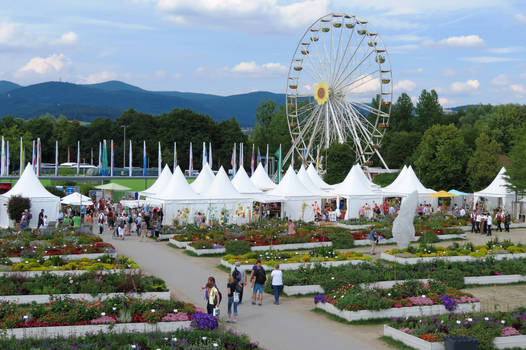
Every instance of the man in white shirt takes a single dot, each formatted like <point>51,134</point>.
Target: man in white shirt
<point>277,282</point>
<point>478,219</point>
<point>462,212</point>
<point>489,223</point>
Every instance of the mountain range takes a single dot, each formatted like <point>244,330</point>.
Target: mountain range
<point>85,102</point>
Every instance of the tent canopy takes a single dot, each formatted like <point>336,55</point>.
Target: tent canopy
<point>29,186</point>
<point>242,182</point>
<point>76,199</point>
<point>291,186</point>
<point>442,194</point>
<point>405,184</point>
<point>357,184</point>
<point>261,179</point>
<point>222,189</point>
<point>204,180</point>
<point>176,189</point>
<point>307,182</point>
<point>112,186</point>
<point>460,193</point>
<point>497,188</point>
<point>159,184</point>
<point>316,178</point>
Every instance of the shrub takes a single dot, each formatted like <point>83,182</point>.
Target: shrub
<point>16,206</point>
<point>341,240</point>
<point>429,237</point>
<point>55,191</point>
<point>237,247</point>
<point>452,277</point>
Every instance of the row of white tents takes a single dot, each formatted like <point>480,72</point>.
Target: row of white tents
<point>219,198</point>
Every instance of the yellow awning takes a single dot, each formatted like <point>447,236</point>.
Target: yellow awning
<point>442,194</point>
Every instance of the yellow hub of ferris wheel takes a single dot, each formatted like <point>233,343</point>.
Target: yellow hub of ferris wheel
<point>321,93</point>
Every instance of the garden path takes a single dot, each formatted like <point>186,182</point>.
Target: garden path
<point>289,326</point>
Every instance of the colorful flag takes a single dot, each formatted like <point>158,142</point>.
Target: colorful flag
<point>100,156</point>
<point>318,159</point>
<point>278,155</point>
<point>112,160</point>
<point>56,157</point>
<point>241,165</point>
<point>159,160</point>
<point>175,155</point>
<point>104,167</point>
<point>34,157</point>
<point>22,160</point>
<point>252,161</point>
<point>259,156</point>
<point>205,157</point>
<point>7,158</point>
<point>78,157</point>
<point>266,163</point>
<point>2,159</point>
<point>130,161</point>
<point>144,158</point>
<point>303,157</point>
<point>191,162</point>
<point>233,161</point>
<point>68,155</point>
<point>39,155</point>
<point>210,154</point>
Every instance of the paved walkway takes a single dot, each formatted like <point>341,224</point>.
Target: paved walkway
<point>288,326</point>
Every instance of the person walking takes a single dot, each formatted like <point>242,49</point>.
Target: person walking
<point>40,219</point>
<point>212,295</point>
<point>498,218</point>
<point>473,222</point>
<point>233,298</point>
<point>478,219</point>
<point>489,222</point>
<point>373,237</point>
<point>277,282</point>
<point>258,278</point>
<point>239,275</point>
<point>101,222</point>
<point>507,221</point>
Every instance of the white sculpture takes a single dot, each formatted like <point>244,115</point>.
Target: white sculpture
<point>403,228</point>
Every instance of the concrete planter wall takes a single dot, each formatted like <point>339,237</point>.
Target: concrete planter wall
<point>178,244</point>
<point>418,311</point>
<point>500,279</point>
<point>303,290</point>
<point>205,251</point>
<point>516,341</point>
<point>291,246</point>
<point>294,266</point>
<point>45,298</point>
<point>64,272</point>
<point>413,261</point>
<point>165,237</point>
<point>77,331</point>
<point>69,256</point>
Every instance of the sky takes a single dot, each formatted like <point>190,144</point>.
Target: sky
<point>469,51</point>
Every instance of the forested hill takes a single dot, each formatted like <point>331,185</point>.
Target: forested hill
<point>111,98</point>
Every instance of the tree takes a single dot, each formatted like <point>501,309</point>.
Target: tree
<point>440,159</point>
<point>484,164</point>
<point>516,170</point>
<point>428,109</point>
<point>401,114</point>
<point>16,206</point>
<point>398,147</point>
<point>503,122</point>
<point>340,158</point>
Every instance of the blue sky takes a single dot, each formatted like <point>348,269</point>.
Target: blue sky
<point>470,51</point>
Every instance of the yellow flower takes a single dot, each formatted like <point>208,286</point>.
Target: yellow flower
<point>321,93</point>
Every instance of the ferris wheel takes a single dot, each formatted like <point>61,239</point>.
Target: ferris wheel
<point>339,66</point>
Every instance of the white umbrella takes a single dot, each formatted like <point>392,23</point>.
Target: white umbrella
<point>76,199</point>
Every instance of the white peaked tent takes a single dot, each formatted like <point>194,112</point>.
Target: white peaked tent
<point>204,180</point>
<point>497,193</point>
<point>225,202</point>
<point>159,184</point>
<point>261,180</point>
<point>408,183</point>
<point>316,178</point>
<point>299,203</point>
<point>76,199</point>
<point>30,187</point>
<point>178,199</point>
<point>311,186</point>
<point>243,184</point>
<point>358,191</point>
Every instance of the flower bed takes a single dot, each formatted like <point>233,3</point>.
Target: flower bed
<point>69,312</point>
<point>178,339</point>
<point>499,329</point>
<point>56,263</point>
<point>354,302</point>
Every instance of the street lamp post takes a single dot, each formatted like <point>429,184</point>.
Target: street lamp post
<point>124,147</point>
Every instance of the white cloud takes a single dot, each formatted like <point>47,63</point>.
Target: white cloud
<point>519,90</point>
<point>403,37</point>
<point>519,17</point>
<point>68,38</point>
<point>487,59</point>
<point>443,101</point>
<point>405,85</point>
<point>40,65</point>
<point>465,86</point>
<point>466,41</point>
<point>254,70</point>
<point>364,86</point>
<point>261,15</point>
<point>7,31</point>
<point>501,79</point>
<point>402,48</point>
<point>522,75</point>
<point>98,77</point>
<point>448,72</point>
<point>505,50</point>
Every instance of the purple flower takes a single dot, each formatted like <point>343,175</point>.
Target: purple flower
<point>320,298</point>
<point>204,321</point>
<point>449,303</point>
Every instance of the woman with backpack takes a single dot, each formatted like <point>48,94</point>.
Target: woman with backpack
<point>233,297</point>
<point>212,296</point>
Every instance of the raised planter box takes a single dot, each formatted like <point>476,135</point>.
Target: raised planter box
<point>413,261</point>
<point>69,256</point>
<point>165,237</point>
<point>63,272</point>
<point>205,251</point>
<point>294,266</point>
<point>178,244</point>
<point>291,246</point>
<point>423,310</point>
<point>499,279</point>
<point>362,242</point>
<point>77,331</point>
<point>515,341</point>
<point>302,290</point>
<point>45,298</point>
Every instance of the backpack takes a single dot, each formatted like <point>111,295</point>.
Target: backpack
<point>236,274</point>
<point>261,276</point>
<point>121,224</point>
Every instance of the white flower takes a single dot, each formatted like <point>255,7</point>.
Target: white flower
<point>103,314</point>
<point>423,296</point>
<point>486,318</point>
<point>204,338</point>
<point>152,310</point>
<point>502,321</point>
<point>458,322</point>
<point>332,278</point>
<point>215,345</point>
<point>388,294</point>
<point>27,262</point>
<point>470,319</point>
<point>25,317</point>
<point>114,308</point>
<point>175,311</point>
<point>174,339</point>
<point>133,346</point>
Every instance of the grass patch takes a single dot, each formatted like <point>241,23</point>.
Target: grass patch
<point>171,245</point>
<point>191,253</point>
<point>395,344</point>
<point>344,321</point>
